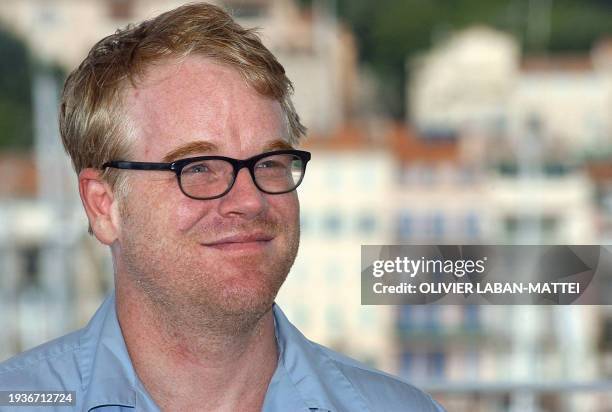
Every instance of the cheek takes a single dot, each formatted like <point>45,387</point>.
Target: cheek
<point>188,212</point>
<point>172,210</point>
<point>151,210</point>
<point>286,206</point>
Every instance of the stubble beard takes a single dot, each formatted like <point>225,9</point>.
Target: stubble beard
<point>207,301</point>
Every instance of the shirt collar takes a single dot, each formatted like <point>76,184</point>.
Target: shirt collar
<point>107,373</point>
<point>308,369</point>
<point>302,380</point>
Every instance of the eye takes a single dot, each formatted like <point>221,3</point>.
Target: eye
<point>270,164</point>
<point>196,169</point>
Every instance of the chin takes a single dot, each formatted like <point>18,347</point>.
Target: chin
<point>254,296</point>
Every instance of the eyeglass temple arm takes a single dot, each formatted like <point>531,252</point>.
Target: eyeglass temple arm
<point>138,165</point>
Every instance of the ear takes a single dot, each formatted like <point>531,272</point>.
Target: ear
<point>99,203</point>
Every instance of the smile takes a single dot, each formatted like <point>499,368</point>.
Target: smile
<point>244,243</point>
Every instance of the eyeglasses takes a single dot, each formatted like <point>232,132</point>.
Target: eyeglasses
<point>211,177</point>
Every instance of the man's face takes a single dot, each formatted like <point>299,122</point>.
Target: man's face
<point>226,256</point>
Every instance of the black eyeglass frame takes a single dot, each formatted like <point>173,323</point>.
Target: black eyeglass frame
<point>178,165</point>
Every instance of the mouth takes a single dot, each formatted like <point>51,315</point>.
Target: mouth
<point>241,242</point>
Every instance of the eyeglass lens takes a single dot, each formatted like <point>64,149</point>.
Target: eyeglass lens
<point>210,178</point>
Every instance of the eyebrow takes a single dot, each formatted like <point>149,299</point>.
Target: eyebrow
<point>203,146</point>
<point>188,149</point>
<point>277,145</point>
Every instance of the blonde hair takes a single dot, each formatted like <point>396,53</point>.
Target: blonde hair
<point>92,125</point>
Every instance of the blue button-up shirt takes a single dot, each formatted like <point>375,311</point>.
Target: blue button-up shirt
<point>94,362</point>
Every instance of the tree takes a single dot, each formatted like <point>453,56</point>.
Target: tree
<point>16,131</point>
<point>390,31</point>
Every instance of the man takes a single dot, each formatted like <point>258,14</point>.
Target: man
<point>181,131</point>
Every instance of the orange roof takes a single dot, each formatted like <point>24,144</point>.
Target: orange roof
<point>564,62</point>
<point>600,171</point>
<point>404,143</point>
<point>408,146</point>
<point>348,137</point>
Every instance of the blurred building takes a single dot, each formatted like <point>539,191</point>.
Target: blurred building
<point>53,274</point>
<point>430,172</point>
<point>345,202</point>
<point>477,82</point>
<point>527,127</point>
<point>464,83</point>
<point>317,51</point>
<point>439,200</point>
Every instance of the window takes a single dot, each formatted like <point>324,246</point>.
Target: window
<point>466,176</point>
<point>432,322</point>
<point>427,176</point>
<point>404,226</point>
<point>406,364</point>
<point>31,265</point>
<point>333,223</point>
<point>549,227</point>
<point>435,364</point>
<point>471,317</point>
<point>366,224</point>
<point>424,318</point>
<point>472,225</point>
<point>404,318</point>
<point>436,225</point>
<point>511,225</point>
<point>546,227</point>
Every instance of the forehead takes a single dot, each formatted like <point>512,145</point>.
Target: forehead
<point>198,100</point>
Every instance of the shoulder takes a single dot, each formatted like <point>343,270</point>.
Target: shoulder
<point>336,382</point>
<point>380,390</point>
<point>51,365</point>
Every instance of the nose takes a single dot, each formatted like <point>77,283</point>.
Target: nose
<point>244,199</point>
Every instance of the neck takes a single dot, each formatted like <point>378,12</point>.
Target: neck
<point>185,365</point>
